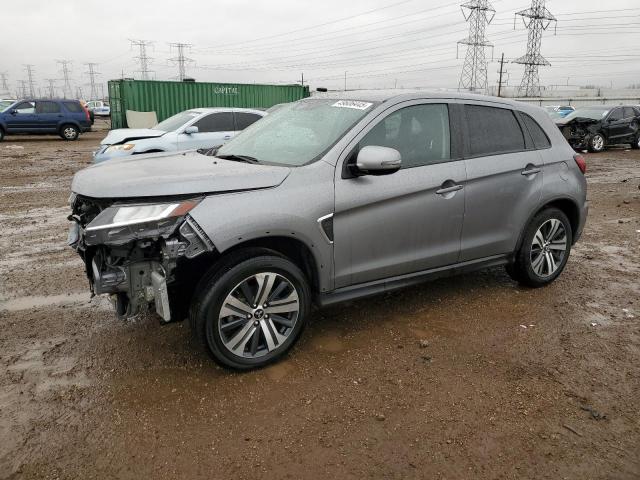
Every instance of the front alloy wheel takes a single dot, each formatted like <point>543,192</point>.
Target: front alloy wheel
<point>258,315</point>
<point>597,143</point>
<point>251,308</point>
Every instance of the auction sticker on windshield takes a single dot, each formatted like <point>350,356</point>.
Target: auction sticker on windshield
<point>352,104</point>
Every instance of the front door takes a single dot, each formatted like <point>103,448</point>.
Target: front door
<point>408,221</point>
<point>22,118</point>
<point>616,126</point>
<point>504,182</point>
<point>214,129</point>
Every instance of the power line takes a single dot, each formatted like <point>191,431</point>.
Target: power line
<point>92,79</point>
<point>306,29</point>
<point>479,14</point>
<point>66,88</point>
<point>181,60</point>
<point>143,59</point>
<point>537,19</point>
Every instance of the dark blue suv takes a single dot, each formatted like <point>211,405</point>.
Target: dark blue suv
<point>67,118</point>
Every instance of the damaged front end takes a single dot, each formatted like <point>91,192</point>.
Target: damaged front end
<point>578,131</point>
<point>138,253</point>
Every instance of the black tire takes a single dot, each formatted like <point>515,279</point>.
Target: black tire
<point>635,144</point>
<point>597,143</point>
<point>522,269</point>
<point>223,279</point>
<point>69,132</point>
<point>1,134</point>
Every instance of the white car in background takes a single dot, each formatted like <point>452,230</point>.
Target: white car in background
<point>192,129</point>
<point>99,108</point>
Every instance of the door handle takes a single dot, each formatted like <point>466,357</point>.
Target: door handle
<point>227,137</point>
<point>445,190</point>
<point>530,170</point>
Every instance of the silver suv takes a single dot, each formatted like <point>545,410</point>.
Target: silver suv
<point>327,200</point>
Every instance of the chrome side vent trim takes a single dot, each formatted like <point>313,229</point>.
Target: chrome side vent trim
<point>326,227</point>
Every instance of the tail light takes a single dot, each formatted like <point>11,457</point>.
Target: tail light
<point>581,162</point>
<point>86,112</point>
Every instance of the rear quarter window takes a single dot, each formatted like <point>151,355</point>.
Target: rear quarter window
<point>244,119</point>
<point>73,107</point>
<point>493,131</point>
<point>540,139</point>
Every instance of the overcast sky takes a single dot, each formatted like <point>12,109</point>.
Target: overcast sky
<point>407,44</point>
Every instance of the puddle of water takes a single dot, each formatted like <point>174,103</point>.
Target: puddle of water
<point>26,303</point>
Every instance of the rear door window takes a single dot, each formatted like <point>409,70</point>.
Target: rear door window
<point>244,119</point>
<point>493,131</point>
<point>629,113</point>
<point>216,122</point>
<point>540,139</point>
<point>47,107</point>
<point>73,107</point>
<point>420,133</point>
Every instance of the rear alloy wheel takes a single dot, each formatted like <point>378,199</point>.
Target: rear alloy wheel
<point>251,311</point>
<point>635,144</point>
<point>545,249</point>
<point>69,132</point>
<point>597,143</point>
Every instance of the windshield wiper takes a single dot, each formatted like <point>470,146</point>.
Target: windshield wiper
<point>239,158</point>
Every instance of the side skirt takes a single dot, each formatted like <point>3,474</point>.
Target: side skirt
<point>362,290</point>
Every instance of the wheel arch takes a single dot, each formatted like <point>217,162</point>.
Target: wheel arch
<point>292,248</point>
<point>73,123</point>
<point>566,205</point>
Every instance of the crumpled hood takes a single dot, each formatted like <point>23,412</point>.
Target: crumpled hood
<point>159,175</point>
<point>121,134</point>
<point>561,122</point>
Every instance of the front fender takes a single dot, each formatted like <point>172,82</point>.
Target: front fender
<point>291,209</point>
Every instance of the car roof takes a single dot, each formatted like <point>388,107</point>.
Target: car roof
<point>391,95</point>
<point>223,109</point>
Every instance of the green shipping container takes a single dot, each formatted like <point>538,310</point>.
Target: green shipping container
<point>168,98</point>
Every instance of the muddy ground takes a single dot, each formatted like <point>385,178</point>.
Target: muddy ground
<point>472,377</point>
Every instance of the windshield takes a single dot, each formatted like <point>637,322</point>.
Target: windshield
<point>4,104</point>
<point>175,122</point>
<point>593,113</point>
<point>297,133</point>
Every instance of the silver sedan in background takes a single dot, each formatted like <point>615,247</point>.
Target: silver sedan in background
<point>188,130</point>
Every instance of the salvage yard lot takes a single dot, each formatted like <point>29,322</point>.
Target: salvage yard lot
<point>472,377</point>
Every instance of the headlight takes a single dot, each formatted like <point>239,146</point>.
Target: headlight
<point>121,224</point>
<point>120,148</point>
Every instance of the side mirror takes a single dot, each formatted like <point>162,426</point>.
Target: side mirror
<point>190,130</point>
<point>13,111</point>
<point>374,160</point>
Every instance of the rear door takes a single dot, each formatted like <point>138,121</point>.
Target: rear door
<point>504,181</point>
<point>48,115</point>
<point>408,221</point>
<point>213,129</point>
<point>22,118</point>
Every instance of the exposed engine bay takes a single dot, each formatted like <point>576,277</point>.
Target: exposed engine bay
<point>138,253</point>
<point>579,131</point>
